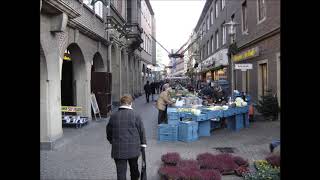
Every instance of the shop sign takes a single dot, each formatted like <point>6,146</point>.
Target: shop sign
<point>217,59</point>
<point>243,66</point>
<point>66,57</point>
<point>71,109</point>
<point>254,52</point>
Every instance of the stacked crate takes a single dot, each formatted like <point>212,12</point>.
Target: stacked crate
<point>173,116</point>
<point>167,132</point>
<point>188,131</point>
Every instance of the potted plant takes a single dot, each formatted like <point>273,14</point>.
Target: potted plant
<point>268,106</point>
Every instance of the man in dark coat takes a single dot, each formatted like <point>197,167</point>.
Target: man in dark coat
<point>153,89</point>
<point>147,90</point>
<point>125,131</point>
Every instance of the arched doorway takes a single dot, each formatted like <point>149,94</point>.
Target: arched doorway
<point>74,90</point>
<point>100,85</point>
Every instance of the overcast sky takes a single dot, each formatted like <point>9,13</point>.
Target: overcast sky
<point>175,21</point>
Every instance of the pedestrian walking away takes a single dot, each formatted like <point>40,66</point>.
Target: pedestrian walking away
<point>153,90</point>
<point>162,102</point>
<point>147,90</point>
<point>125,132</point>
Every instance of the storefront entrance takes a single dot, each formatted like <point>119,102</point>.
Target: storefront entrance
<point>101,85</point>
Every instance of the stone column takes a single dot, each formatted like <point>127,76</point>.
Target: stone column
<point>50,102</point>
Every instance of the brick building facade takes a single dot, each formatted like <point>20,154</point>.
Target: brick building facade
<point>258,29</point>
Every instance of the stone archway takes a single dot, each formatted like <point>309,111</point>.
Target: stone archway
<point>74,83</point>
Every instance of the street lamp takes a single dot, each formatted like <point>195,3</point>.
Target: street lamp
<point>231,31</point>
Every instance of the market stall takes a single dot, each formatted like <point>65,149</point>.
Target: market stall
<point>189,119</point>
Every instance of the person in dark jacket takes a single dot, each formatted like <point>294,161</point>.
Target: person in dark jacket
<point>153,89</point>
<point>147,90</point>
<point>125,132</point>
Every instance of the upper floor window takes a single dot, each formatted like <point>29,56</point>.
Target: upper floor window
<point>88,3</point>
<point>208,23</point>
<point>208,48</point>
<point>261,10</point>
<point>204,28</point>
<point>224,34</point>
<point>244,17</point>
<point>98,8</point>
<point>211,15</point>
<point>216,9</point>
<point>212,44</point>
<point>223,3</point>
<point>217,39</point>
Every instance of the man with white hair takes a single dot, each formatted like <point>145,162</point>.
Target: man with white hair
<point>162,102</point>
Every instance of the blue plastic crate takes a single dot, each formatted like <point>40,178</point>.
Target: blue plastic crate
<point>201,117</point>
<point>204,128</point>
<point>188,131</point>
<point>172,110</point>
<point>173,121</point>
<point>167,132</point>
<point>235,123</point>
<point>214,114</point>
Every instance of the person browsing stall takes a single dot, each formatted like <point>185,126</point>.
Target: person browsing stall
<point>162,102</point>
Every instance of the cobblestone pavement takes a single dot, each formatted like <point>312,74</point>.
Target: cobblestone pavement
<point>85,153</point>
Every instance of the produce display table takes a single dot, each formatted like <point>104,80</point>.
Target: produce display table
<point>237,117</point>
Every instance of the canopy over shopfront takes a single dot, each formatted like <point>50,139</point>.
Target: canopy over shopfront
<point>215,66</point>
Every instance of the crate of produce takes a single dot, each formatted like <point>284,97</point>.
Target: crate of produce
<point>204,128</point>
<point>174,116</point>
<point>167,132</point>
<point>188,131</point>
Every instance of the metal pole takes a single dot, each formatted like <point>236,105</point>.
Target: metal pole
<point>232,73</point>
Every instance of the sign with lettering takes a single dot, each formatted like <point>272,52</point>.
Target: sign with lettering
<point>254,52</point>
<point>243,66</point>
<point>71,109</point>
<point>94,104</point>
<point>66,57</point>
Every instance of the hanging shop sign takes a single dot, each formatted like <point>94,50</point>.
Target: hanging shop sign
<point>66,57</point>
<point>254,52</point>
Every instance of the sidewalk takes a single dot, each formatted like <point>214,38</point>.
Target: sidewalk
<point>85,153</point>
